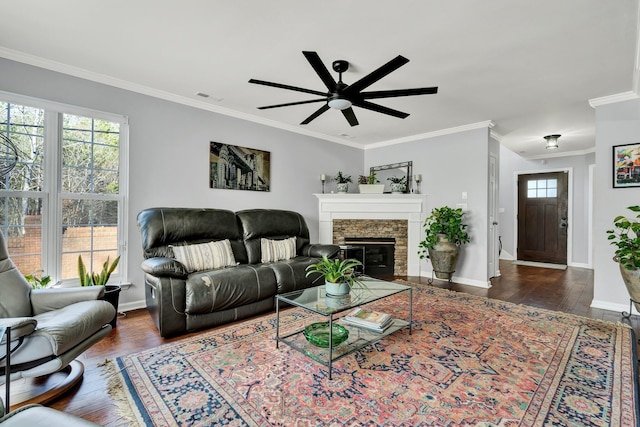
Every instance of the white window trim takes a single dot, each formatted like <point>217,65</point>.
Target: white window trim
<point>51,220</point>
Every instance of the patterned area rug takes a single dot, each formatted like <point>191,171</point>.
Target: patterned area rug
<point>470,361</point>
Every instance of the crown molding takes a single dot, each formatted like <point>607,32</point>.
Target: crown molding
<point>561,154</point>
<point>51,65</point>
<point>495,135</point>
<point>612,99</point>
<point>457,129</point>
<point>156,93</point>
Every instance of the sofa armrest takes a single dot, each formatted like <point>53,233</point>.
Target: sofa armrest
<point>318,250</point>
<point>164,267</point>
<point>44,300</point>
<point>20,327</point>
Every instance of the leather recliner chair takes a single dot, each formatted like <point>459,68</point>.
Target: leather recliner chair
<point>36,415</point>
<point>49,327</point>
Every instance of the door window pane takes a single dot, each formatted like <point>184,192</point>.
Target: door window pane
<point>541,188</point>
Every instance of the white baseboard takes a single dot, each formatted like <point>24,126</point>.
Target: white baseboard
<point>605,305</point>
<point>506,255</point>
<point>465,281</point>
<point>580,265</point>
<point>134,305</point>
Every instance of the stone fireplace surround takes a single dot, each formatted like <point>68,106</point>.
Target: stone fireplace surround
<point>390,213</point>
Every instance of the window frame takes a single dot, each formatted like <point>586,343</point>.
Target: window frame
<point>51,194</point>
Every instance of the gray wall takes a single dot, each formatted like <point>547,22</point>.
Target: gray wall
<point>616,124</point>
<point>169,154</point>
<point>450,164</point>
<point>511,164</point>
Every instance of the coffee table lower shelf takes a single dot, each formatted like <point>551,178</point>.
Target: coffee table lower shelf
<point>358,338</point>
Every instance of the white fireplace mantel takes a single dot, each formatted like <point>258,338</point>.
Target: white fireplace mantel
<point>410,207</point>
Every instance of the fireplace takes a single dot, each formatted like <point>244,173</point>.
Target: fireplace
<point>398,216</point>
<point>375,253</point>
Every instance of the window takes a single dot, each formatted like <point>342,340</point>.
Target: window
<point>65,196</point>
<point>539,188</point>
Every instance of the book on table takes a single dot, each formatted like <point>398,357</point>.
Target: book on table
<point>369,319</point>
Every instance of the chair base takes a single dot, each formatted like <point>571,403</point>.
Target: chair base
<point>41,390</point>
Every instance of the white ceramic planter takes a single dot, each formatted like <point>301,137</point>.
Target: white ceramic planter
<point>371,188</point>
<point>336,289</point>
<point>397,188</point>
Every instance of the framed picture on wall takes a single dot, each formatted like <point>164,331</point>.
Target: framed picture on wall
<point>238,168</point>
<point>626,165</point>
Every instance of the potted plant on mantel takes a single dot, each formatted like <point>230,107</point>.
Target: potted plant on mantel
<point>626,237</point>
<point>444,234</point>
<point>398,185</point>
<point>370,184</point>
<point>339,275</point>
<point>342,182</point>
<point>111,292</point>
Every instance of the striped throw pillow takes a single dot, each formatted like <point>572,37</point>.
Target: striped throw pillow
<point>205,256</point>
<point>276,250</point>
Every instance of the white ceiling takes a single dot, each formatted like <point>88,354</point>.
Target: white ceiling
<point>530,67</point>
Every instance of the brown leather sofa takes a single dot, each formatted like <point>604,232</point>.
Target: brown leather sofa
<point>180,300</point>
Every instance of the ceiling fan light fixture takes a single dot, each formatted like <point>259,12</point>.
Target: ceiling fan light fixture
<point>552,141</point>
<point>339,103</point>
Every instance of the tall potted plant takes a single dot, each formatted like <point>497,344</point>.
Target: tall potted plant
<point>625,236</point>
<point>111,292</point>
<point>445,232</point>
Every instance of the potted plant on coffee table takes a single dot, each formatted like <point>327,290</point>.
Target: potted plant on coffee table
<point>342,182</point>
<point>398,185</point>
<point>370,184</point>
<point>625,236</point>
<point>111,292</point>
<point>444,234</point>
<point>339,275</point>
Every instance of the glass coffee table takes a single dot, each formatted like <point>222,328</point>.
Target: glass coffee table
<point>333,309</point>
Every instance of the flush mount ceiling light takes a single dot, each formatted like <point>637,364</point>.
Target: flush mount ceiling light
<point>338,103</point>
<point>552,141</point>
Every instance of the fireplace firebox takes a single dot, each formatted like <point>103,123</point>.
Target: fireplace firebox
<point>377,254</point>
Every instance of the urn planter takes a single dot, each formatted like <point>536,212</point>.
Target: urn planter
<point>444,257</point>
<point>631,280</point>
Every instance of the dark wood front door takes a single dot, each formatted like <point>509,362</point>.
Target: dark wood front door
<point>542,217</point>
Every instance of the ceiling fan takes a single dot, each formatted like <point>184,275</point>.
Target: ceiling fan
<point>342,96</point>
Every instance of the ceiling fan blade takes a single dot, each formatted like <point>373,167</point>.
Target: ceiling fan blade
<point>320,110</point>
<point>281,86</point>
<point>380,109</point>
<point>376,75</point>
<point>321,70</point>
<point>399,92</point>
<point>350,116</point>
<point>292,103</point>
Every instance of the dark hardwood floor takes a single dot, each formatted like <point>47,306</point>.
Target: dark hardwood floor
<point>569,291</point>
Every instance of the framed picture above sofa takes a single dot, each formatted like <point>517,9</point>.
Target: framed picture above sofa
<point>238,168</point>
